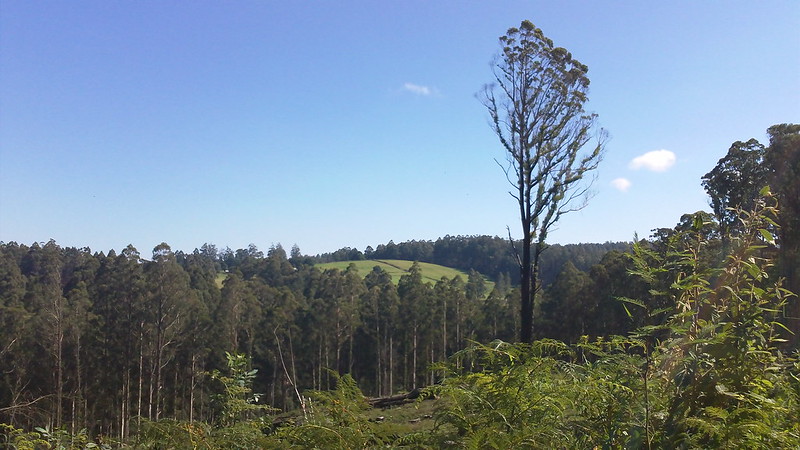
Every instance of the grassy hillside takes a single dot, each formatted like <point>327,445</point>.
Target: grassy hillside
<point>397,268</point>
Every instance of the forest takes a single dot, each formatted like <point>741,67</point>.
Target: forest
<point>687,338</point>
<point>112,344</point>
<point>156,325</point>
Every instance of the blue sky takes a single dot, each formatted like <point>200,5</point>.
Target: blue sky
<point>351,123</point>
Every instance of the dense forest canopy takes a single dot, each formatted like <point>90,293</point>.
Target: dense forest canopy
<point>162,322</point>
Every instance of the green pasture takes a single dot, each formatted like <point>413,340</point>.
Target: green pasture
<point>220,280</point>
<point>396,268</point>
<point>431,273</point>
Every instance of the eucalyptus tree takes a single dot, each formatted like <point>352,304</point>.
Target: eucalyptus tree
<point>735,182</point>
<point>566,310</point>
<point>414,296</point>
<point>16,341</point>
<point>124,294</point>
<point>171,303</point>
<point>81,269</point>
<point>783,158</point>
<point>380,313</point>
<point>536,105</point>
<point>43,266</point>
<point>498,315</point>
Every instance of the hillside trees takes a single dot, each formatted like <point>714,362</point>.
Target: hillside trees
<point>735,181</point>
<point>536,108</point>
<point>380,306</point>
<point>414,296</point>
<point>734,184</point>
<point>783,158</point>
<point>706,373</point>
<point>17,341</point>
<point>488,255</point>
<point>172,307</point>
<point>50,307</point>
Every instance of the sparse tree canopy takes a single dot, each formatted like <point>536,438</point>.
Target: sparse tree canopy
<point>537,109</point>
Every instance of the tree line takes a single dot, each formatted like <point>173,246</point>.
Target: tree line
<point>489,255</point>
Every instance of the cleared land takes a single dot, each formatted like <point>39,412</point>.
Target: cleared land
<point>398,267</point>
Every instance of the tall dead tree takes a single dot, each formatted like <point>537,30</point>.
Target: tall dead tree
<point>536,107</point>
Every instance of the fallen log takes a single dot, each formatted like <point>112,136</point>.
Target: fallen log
<point>393,400</point>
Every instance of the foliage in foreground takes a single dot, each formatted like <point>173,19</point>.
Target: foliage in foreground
<point>709,376</point>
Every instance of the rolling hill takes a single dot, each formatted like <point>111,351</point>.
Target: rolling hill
<point>431,273</point>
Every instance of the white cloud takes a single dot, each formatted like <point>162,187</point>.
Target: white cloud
<point>657,161</point>
<point>417,89</point>
<point>621,184</point>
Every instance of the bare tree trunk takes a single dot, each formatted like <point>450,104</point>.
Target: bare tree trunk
<point>59,347</point>
<point>292,379</point>
<point>126,399</point>
<point>141,373</point>
<point>430,374</point>
<point>459,343</point>
<point>327,365</point>
<point>191,391</point>
<point>274,381</point>
<point>79,385</point>
<point>151,390</point>
<point>414,359</point>
<point>319,366</point>
<point>444,327</point>
<point>175,394</point>
<point>378,366</point>
<point>350,354</point>
<point>526,301</point>
<point>391,364</point>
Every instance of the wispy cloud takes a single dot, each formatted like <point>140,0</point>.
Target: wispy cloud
<point>621,184</point>
<point>657,161</point>
<point>418,89</point>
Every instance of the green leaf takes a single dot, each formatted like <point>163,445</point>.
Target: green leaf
<point>630,316</point>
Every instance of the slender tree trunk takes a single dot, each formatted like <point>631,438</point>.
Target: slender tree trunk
<point>350,354</point>
<point>175,394</point>
<point>59,344</point>
<point>72,415</point>
<point>141,373</point>
<point>444,327</point>
<point>391,365</point>
<point>126,399</point>
<point>459,343</point>
<point>378,348</point>
<point>430,374</point>
<point>319,366</point>
<point>526,300</point>
<point>414,359</point>
<point>191,391</point>
<point>274,381</point>
<point>159,353</point>
<point>328,365</point>
<point>538,249</point>
<point>338,343</point>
